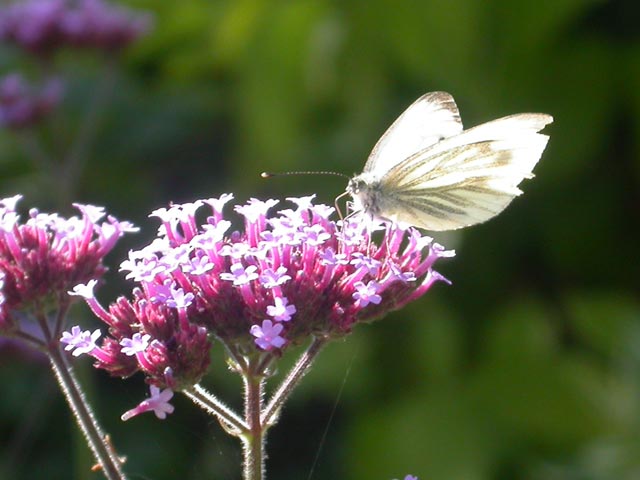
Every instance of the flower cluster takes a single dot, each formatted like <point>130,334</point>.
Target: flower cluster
<point>283,280</point>
<point>22,104</point>
<point>47,255</point>
<point>41,26</point>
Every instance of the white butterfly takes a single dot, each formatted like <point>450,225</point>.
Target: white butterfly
<point>427,172</point>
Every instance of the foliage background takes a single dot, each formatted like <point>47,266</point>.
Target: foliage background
<point>526,368</point>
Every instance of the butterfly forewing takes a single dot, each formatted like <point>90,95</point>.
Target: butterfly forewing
<point>428,120</point>
<point>464,179</point>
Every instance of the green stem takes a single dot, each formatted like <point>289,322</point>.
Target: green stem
<point>98,443</point>
<point>253,439</point>
<point>230,421</point>
<point>61,316</point>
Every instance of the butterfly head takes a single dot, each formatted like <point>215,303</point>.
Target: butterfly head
<point>365,190</point>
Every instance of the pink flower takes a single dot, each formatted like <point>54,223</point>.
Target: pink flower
<point>310,275</point>
<point>79,341</point>
<point>281,311</point>
<point>158,403</point>
<point>268,335</point>
<point>44,257</point>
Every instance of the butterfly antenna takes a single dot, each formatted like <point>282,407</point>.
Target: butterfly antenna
<point>282,174</point>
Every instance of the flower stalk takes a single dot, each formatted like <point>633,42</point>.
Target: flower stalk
<point>288,279</point>
<point>97,441</point>
<point>230,421</point>
<point>253,440</point>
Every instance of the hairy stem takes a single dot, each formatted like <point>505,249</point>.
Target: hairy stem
<point>230,421</point>
<point>110,464</point>
<point>253,439</point>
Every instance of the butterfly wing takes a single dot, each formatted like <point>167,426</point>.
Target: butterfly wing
<point>465,179</point>
<point>428,120</point>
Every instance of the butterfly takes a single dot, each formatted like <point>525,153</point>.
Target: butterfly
<point>426,171</point>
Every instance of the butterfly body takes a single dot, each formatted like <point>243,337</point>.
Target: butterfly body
<point>428,172</point>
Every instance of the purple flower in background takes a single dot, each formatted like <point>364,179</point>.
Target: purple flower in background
<point>23,104</point>
<point>33,25</point>
<point>42,26</point>
<point>321,278</point>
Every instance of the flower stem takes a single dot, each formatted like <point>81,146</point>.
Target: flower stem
<point>253,439</point>
<point>298,371</point>
<point>229,420</point>
<point>99,443</point>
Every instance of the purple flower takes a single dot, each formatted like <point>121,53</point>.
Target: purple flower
<point>136,344</point>
<point>142,268</point>
<point>236,251</point>
<point>315,235</point>
<point>240,275</point>
<point>309,275</point>
<point>46,256</point>
<point>42,26</point>
<point>396,273</point>
<point>199,265</point>
<point>371,265</point>
<point>179,299</point>
<point>217,205</point>
<point>281,311</point>
<point>79,341</point>
<point>255,209</point>
<point>158,403</point>
<point>366,294</point>
<point>303,203</point>
<point>23,104</point>
<point>268,335</point>
<point>329,257</point>
<point>84,291</point>
<point>271,279</point>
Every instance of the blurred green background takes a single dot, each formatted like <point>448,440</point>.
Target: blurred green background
<point>527,367</point>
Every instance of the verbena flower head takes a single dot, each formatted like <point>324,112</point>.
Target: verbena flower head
<point>46,255</point>
<point>284,279</point>
<point>41,26</point>
<point>23,104</point>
